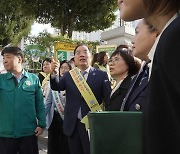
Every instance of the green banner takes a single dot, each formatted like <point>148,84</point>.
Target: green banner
<point>62,55</point>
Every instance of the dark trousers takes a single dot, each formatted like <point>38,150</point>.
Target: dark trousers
<point>57,140</point>
<point>79,140</point>
<point>22,145</point>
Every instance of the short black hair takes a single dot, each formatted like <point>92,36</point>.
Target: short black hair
<point>46,59</point>
<point>13,50</point>
<point>67,62</point>
<point>126,54</point>
<point>81,44</point>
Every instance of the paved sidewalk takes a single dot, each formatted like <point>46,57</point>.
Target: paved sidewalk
<point>42,142</point>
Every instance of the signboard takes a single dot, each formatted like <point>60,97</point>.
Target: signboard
<point>63,51</point>
<point>107,48</point>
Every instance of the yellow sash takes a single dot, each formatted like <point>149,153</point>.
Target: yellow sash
<point>86,92</point>
<point>46,78</point>
<point>105,69</point>
<point>101,67</point>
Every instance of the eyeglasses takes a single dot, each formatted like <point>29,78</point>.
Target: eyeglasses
<point>114,60</point>
<point>85,52</point>
<point>64,68</point>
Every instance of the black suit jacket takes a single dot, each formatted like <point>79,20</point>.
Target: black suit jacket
<point>162,117</point>
<point>136,99</point>
<point>100,86</point>
<point>116,99</point>
<point>41,78</point>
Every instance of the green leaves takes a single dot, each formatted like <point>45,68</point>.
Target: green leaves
<point>15,22</point>
<point>17,16</point>
<point>79,15</point>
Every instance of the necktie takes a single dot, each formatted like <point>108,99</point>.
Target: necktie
<point>145,74</point>
<point>79,112</point>
<point>141,78</point>
<point>83,74</point>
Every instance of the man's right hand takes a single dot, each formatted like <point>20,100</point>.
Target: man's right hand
<point>54,67</point>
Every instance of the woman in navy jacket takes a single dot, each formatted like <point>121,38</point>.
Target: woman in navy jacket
<point>122,67</point>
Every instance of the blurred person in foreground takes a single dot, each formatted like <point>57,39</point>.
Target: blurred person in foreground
<point>162,116</point>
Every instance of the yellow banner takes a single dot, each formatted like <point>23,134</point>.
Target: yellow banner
<point>107,48</point>
<point>86,92</point>
<point>64,46</point>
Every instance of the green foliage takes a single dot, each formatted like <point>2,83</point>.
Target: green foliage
<point>15,22</point>
<point>34,55</point>
<point>17,16</point>
<point>42,47</point>
<point>79,15</point>
<point>46,40</point>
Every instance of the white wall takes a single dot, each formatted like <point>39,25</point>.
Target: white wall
<point>117,36</point>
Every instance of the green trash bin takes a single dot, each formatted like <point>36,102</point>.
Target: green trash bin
<point>115,132</point>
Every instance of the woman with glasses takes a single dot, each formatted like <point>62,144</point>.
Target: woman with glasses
<point>122,67</point>
<point>57,141</point>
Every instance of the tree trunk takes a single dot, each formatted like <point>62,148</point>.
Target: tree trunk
<point>63,29</point>
<point>62,26</point>
<point>70,25</point>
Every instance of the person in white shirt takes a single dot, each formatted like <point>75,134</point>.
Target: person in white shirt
<point>162,116</point>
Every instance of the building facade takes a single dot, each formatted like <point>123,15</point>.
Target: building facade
<point>120,33</point>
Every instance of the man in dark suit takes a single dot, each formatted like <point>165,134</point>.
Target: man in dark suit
<point>144,39</point>
<point>76,107</point>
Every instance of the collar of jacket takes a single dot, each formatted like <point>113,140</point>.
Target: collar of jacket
<point>9,75</point>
